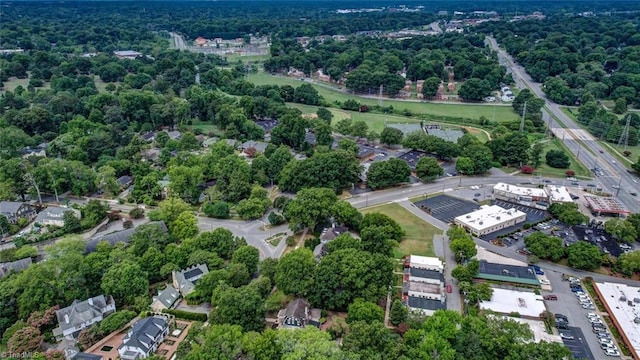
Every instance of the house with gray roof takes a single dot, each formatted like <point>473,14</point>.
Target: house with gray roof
<point>185,280</point>
<point>125,181</point>
<point>144,338</point>
<point>14,210</point>
<point>260,146</point>
<point>7,268</point>
<point>54,215</point>
<point>122,236</point>
<point>174,135</point>
<point>166,299</point>
<point>85,356</point>
<point>82,314</point>
<point>298,314</point>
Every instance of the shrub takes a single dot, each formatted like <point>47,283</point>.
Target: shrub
<point>291,240</point>
<point>186,315</point>
<point>570,173</point>
<point>526,169</point>
<point>136,213</point>
<point>218,209</point>
<point>276,219</point>
<point>115,321</point>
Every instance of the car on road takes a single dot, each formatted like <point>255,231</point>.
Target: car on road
<point>566,336</point>
<point>591,185</point>
<point>575,183</point>
<point>601,152</point>
<point>616,187</point>
<point>449,289</point>
<point>477,194</point>
<point>612,352</point>
<point>546,180</point>
<point>633,193</point>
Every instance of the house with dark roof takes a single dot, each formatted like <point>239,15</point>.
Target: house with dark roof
<point>82,314</point>
<point>298,314</point>
<point>185,280</point>
<point>166,299</point>
<point>85,356</point>
<point>365,152</point>
<point>7,268</point>
<point>328,234</point>
<point>122,236</point>
<point>423,286</point>
<point>28,151</point>
<point>54,215</point>
<point>411,157</point>
<point>125,181</point>
<point>144,338</point>
<point>14,210</point>
<point>149,136</point>
<point>267,124</point>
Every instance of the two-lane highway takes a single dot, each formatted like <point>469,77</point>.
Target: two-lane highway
<point>583,145</point>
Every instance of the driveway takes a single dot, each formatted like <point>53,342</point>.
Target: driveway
<point>255,232</point>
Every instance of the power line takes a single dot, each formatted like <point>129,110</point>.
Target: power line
<point>524,111</point>
<point>624,137</point>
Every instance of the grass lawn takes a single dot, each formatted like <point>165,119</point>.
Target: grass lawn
<point>469,111</point>
<point>206,127</point>
<point>233,58</point>
<point>101,85</point>
<point>419,234</point>
<point>545,170</point>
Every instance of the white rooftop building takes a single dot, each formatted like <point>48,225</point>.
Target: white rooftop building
<point>490,218</point>
<point>525,303</point>
<point>623,305</point>
<point>426,263</point>
<point>423,287</point>
<point>558,194</point>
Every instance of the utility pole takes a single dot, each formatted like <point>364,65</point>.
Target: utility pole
<point>524,111</point>
<point>380,96</point>
<point>624,137</point>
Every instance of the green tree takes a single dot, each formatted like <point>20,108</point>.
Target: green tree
<point>544,246</point>
<point>391,136</point>
<point>557,159</point>
<point>430,87</point>
<point>250,209</point>
<point>388,173</point>
<point>278,160</point>
<point>169,210</point>
<point>622,230</point>
<point>247,255</point>
<point>106,180</point>
<point>308,344</point>
<point>474,89</point>
<point>325,114</point>
<point>242,306</point>
<point>398,313</point>
<point>185,226</point>
<point>464,165</point>
<point>310,207</point>
<point>262,346</point>
<point>218,209</point>
<point>185,182</point>
<point>535,153</point>
<point>344,213</point>
<point>629,263</point>
<point>294,272</point>
<point>348,145</point>
<point>476,293</point>
<point>620,106</point>
<point>125,281</point>
<point>361,310</point>
<point>428,168</point>
<point>583,255</point>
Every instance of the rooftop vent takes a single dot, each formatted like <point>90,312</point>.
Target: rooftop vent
<point>497,217</point>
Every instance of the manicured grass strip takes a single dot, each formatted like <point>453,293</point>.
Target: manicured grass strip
<point>419,234</point>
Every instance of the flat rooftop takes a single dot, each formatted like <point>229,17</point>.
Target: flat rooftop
<point>507,273</point>
<point>520,190</point>
<point>422,287</point>
<point>425,304</point>
<point>425,261</point>
<point>488,216</point>
<point>506,301</point>
<point>609,205</point>
<point>623,302</point>
<point>411,157</point>
<point>538,329</point>
<point>558,194</point>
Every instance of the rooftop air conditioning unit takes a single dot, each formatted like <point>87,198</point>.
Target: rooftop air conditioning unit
<point>497,217</point>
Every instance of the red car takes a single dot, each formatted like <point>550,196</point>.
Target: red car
<point>449,289</point>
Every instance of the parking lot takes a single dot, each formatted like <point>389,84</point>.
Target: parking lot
<point>568,305</point>
<point>599,237</point>
<point>446,208</point>
<point>578,346</point>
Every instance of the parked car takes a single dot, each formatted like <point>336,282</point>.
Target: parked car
<point>612,352</point>
<point>550,297</point>
<point>603,336</point>
<point>449,289</point>
<point>566,336</point>
<point>599,330</point>
<point>561,316</point>
<point>593,315</point>
<point>579,293</point>
<point>588,306</point>
<point>607,346</point>
<point>605,341</point>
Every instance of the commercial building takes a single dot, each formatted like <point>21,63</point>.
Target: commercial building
<point>423,286</point>
<point>539,198</point>
<point>490,218</point>
<point>600,205</point>
<point>526,303</point>
<point>623,305</point>
<point>514,274</point>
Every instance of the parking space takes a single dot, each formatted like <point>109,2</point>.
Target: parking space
<point>445,208</point>
<point>578,346</point>
<point>597,236</point>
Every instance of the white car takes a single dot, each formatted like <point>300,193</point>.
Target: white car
<point>605,341</point>
<point>612,352</point>
<point>588,306</point>
<point>593,315</point>
<point>579,293</point>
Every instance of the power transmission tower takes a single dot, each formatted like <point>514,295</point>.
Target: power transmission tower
<point>380,97</point>
<point>524,111</point>
<point>624,137</point>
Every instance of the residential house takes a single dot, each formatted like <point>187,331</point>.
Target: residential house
<point>174,135</point>
<point>85,356</point>
<point>210,141</point>
<point>327,235</point>
<point>166,299</point>
<point>14,210</point>
<point>28,151</point>
<point>54,215</point>
<point>144,338</point>
<point>267,124</point>
<point>125,181</point>
<point>82,314</point>
<point>185,280</point>
<point>149,136</point>
<point>122,236</point>
<point>298,314</point>
<point>259,146</point>
<point>127,54</point>
<point>423,287</point>
<point>7,268</point>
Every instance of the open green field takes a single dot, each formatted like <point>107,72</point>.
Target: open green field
<point>330,94</point>
<point>14,82</point>
<point>419,234</point>
<point>377,122</point>
<point>545,170</point>
<point>233,58</point>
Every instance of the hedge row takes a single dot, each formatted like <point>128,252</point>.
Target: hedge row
<point>186,315</point>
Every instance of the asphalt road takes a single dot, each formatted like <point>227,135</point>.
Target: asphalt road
<point>582,144</point>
